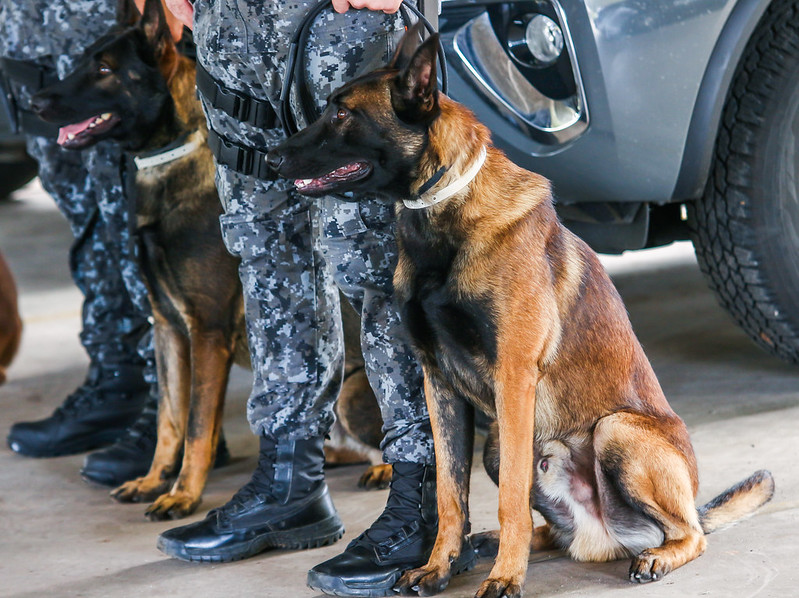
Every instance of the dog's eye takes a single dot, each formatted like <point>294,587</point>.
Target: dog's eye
<point>104,70</point>
<point>342,114</point>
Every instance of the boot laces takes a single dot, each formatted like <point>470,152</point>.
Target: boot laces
<point>258,488</point>
<point>83,398</point>
<point>402,515</point>
<point>144,431</point>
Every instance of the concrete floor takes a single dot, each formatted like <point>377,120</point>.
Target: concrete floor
<point>62,537</point>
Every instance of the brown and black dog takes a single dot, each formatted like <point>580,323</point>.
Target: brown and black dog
<point>135,88</point>
<point>10,322</point>
<point>511,313</point>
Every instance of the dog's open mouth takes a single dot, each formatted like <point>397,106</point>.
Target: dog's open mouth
<point>81,134</point>
<point>348,173</point>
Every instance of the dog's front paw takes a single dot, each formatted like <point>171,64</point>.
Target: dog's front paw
<point>647,567</point>
<point>376,477</point>
<point>499,588</point>
<point>172,506</point>
<point>425,581</point>
<point>138,490</point>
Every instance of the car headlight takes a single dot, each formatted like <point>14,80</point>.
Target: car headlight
<point>535,40</point>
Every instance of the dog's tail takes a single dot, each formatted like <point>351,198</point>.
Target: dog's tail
<point>738,502</point>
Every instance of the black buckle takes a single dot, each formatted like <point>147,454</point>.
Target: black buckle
<point>241,158</point>
<point>238,105</point>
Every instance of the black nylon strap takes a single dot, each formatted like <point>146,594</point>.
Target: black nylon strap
<point>238,105</point>
<point>31,75</point>
<point>241,158</point>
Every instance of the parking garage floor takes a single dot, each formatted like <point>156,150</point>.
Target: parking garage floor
<point>61,537</point>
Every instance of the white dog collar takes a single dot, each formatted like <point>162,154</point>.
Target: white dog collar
<point>428,199</point>
<point>165,157</point>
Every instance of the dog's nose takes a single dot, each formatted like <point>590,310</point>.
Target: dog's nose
<point>274,160</point>
<point>40,102</point>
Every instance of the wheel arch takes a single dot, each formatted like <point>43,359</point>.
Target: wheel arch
<point>727,53</point>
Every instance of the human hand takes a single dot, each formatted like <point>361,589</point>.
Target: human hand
<point>181,10</point>
<point>387,6</point>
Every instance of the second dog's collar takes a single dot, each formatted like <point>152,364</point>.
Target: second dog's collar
<point>426,200</point>
<point>174,151</point>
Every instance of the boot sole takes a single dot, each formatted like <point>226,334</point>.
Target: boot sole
<point>335,586</point>
<point>323,533</point>
<point>80,445</point>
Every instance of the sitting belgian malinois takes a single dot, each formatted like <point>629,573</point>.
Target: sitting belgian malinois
<point>511,313</point>
<point>10,322</point>
<point>135,88</point>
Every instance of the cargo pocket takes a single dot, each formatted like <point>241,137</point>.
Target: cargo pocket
<point>340,218</point>
<point>276,240</point>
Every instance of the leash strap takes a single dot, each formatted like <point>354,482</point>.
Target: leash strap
<point>241,158</point>
<point>427,201</point>
<point>238,105</point>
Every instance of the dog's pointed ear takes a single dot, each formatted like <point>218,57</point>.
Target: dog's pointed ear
<point>415,94</point>
<point>156,29</point>
<point>127,13</point>
<point>407,47</point>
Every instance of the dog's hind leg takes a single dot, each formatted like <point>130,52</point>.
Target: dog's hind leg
<point>173,359</point>
<point>211,358</point>
<point>452,420</point>
<point>651,462</point>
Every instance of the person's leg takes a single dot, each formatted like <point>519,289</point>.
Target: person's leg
<point>131,455</point>
<point>358,242</point>
<point>293,334</point>
<point>114,392</point>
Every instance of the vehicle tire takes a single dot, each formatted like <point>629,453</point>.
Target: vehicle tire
<point>746,225</point>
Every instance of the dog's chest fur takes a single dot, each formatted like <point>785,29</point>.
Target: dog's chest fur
<point>453,331</point>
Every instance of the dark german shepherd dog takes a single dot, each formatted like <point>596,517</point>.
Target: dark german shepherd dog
<point>513,314</point>
<point>135,88</point>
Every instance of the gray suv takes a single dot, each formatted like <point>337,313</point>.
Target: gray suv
<point>657,120</point>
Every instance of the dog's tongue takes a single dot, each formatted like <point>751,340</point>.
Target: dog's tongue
<point>64,132</point>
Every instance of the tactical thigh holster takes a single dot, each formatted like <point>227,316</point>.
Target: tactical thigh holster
<point>32,76</point>
<point>245,159</point>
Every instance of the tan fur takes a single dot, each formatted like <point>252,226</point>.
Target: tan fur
<point>10,322</point>
<point>193,358</point>
<point>569,369</point>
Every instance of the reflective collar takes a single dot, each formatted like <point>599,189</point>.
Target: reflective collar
<point>426,200</point>
<point>170,153</point>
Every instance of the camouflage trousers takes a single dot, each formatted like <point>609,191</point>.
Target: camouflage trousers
<point>87,188</point>
<point>85,185</point>
<point>295,252</point>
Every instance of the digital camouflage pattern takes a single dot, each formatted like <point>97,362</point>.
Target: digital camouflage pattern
<point>87,185</point>
<point>294,250</point>
<point>54,33</point>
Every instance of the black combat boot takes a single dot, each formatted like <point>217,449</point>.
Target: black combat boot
<point>96,414</point>
<point>284,505</point>
<point>401,538</point>
<point>130,456</point>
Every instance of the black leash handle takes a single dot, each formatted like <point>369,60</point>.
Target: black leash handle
<point>295,61</point>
